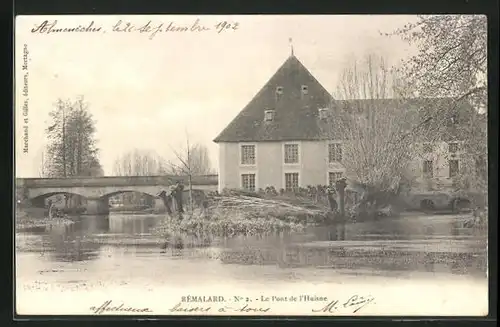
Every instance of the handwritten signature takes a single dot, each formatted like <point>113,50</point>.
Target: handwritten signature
<point>354,303</point>
<point>205,309</point>
<point>108,306</point>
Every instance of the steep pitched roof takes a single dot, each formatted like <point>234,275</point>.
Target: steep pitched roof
<point>296,115</point>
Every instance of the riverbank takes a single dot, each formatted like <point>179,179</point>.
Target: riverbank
<point>33,220</point>
<point>245,214</point>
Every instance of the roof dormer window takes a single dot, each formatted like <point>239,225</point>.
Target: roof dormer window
<point>322,112</point>
<point>269,115</point>
<point>304,89</point>
<point>279,92</point>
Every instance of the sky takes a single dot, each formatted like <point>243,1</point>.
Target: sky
<point>150,92</point>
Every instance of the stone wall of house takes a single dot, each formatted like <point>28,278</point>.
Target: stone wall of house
<point>270,167</point>
<point>440,157</point>
<point>314,166</point>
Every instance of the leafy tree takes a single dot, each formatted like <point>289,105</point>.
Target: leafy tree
<point>452,62</point>
<point>71,150</point>
<point>451,59</point>
<point>72,147</point>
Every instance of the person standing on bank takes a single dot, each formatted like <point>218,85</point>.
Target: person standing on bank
<point>50,205</point>
<point>178,192</point>
<point>330,193</point>
<point>167,198</point>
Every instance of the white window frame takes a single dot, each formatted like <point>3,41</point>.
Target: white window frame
<point>271,114</point>
<point>240,154</point>
<point>278,93</point>
<point>304,89</point>
<point>342,171</point>
<point>299,155</point>
<point>249,172</point>
<point>292,171</point>
<point>328,152</point>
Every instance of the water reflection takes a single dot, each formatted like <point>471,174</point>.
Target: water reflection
<point>427,244</point>
<point>174,245</point>
<point>414,243</point>
<point>132,224</point>
<point>337,232</point>
<point>71,242</point>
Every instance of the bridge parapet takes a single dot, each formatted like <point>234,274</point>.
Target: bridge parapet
<point>114,181</point>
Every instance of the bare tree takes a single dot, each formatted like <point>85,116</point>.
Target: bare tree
<point>184,167</point>
<point>42,170</point>
<point>193,160</point>
<point>370,119</point>
<point>138,163</point>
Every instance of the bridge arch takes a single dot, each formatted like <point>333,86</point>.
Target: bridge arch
<point>39,200</point>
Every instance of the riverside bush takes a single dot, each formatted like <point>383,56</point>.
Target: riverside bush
<point>226,223</point>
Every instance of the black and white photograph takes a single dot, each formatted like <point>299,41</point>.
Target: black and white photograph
<point>251,165</point>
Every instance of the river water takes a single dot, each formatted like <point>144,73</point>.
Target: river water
<point>412,265</point>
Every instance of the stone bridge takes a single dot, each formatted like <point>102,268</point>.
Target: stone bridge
<point>97,190</point>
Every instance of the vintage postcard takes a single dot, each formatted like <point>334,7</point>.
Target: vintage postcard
<point>251,165</point>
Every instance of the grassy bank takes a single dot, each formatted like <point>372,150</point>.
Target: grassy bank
<point>34,219</point>
<point>227,225</point>
<point>238,214</point>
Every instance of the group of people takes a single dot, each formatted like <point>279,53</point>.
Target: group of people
<point>175,192</point>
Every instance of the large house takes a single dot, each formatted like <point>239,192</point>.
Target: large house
<point>280,138</point>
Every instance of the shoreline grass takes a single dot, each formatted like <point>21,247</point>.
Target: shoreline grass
<point>26,222</point>
<point>227,224</point>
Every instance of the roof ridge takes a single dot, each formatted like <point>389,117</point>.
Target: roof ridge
<point>296,110</point>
